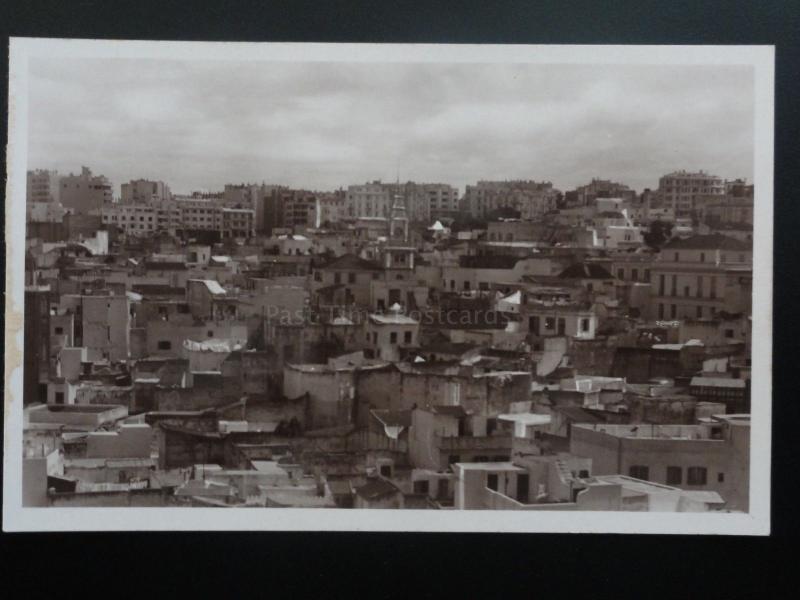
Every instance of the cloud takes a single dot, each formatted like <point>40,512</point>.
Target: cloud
<point>201,124</point>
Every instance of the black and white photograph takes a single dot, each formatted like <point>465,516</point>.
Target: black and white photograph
<point>428,287</point>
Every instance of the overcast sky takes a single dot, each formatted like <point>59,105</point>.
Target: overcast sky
<point>201,124</point>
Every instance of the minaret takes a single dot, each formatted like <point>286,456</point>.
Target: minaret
<point>398,217</point>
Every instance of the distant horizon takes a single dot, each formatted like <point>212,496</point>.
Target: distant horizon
<point>116,188</point>
<point>198,124</point>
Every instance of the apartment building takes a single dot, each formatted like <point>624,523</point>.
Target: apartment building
<point>700,276</point>
<point>713,456</point>
<point>43,186</point>
<point>530,198</point>
<point>679,190</point>
<point>84,193</point>
<point>143,191</point>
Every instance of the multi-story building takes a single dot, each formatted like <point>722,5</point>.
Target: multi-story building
<point>586,195</point>
<point>244,195</point>
<point>429,201</point>
<point>680,190</point>
<point>369,200</point>
<point>713,456</point>
<point>44,212</point>
<point>37,344</point>
<point>332,207</point>
<point>180,215</point>
<point>43,186</point>
<point>700,276</point>
<point>84,193</point>
<point>143,219</point>
<point>200,213</point>
<point>739,188</point>
<point>301,210</point>
<point>142,191</point>
<point>530,198</point>
<point>423,201</point>
<point>102,324</point>
<point>238,222</point>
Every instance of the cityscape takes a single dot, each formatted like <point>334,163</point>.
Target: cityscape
<point>386,343</point>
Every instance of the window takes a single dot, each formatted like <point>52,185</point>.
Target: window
<point>584,325</point>
<point>696,475</point>
<point>720,477</point>
<point>635,274</point>
<point>210,333</point>
<point>686,291</point>
<point>729,333</point>
<point>639,472</point>
<point>165,345</point>
<point>674,285</point>
<point>317,276</point>
<point>661,285</point>
<point>549,322</point>
<point>674,475</point>
<point>337,278</point>
<point>407,337</point>
<point>421,486</point>
<point>351,278</point>
<point>59,397</point>
<point>59,330</point>
<point>661,311</point>
<point>677,256</point>
<point>702,257</point>
<point>699,290</point>
<point>620,273</point>
<point>699,312</point>
<point>386,471</point>
<point>466,286</point>
<point>673,311</point>
<point>491,481</point>
<point>393,337</point>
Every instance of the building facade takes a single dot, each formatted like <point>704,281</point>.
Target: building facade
<point>679,190</point>
<point>85,193</point>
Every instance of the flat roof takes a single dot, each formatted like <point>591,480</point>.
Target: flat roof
<point>490,466</point>
<point>652,431</point>
<point>526,418</point>
<point>722,382</point>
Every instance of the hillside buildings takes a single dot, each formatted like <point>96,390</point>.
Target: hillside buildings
<point>388,346</point>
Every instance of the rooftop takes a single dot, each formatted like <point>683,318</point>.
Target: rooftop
<point>351,262</point>
<point>585,270</point>
<point>650,431</point>
<point>714,241</point>
<point>375,489</point>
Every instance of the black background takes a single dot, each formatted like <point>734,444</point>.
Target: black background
<point>437,565</point>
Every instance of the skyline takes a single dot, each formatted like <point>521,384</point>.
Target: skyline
<point>197,125</point>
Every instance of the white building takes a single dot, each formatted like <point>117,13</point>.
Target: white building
<point>680,189</point>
